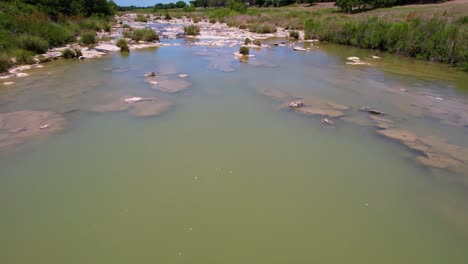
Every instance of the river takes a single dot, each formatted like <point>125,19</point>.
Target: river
<point>228,174</point>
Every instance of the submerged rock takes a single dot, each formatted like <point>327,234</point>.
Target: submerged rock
<point>171,86</point>
<point>24,126</point>
<point>318,106</point>
<point>137,106</point>
<point>150,108</point>
<point>432,151</point>
<point>381,122</point>
<point>327,121</point>
<point>296,104</point>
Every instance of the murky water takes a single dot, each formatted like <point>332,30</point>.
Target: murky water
<point>226,175</point>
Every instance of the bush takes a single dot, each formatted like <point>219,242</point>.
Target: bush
<point>244,50</point>
<point>167,16</point>
<point>257,42</point>
<point>95,23</point>
<point>196,20</point>
<point>23,56</point>
<point>212,20</point>
<point>294,34</point>
<point>5,62</point>
<point>189,8</point>
<point>236,6</point>
<point>33,43</point>
<point>55,34</point>
<point>88,38</point>
<point>247,41</point>
<point>71,53</point>
<point>146,34</point>
<point>141,18</point>
<point>192,30</point>
<point>126,26</point>
<point>263,28</point>
<point>243,26</point>
<point>122,44</point>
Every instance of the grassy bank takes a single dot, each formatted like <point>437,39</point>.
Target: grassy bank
<point>435,32</point>
<point>27,30</point>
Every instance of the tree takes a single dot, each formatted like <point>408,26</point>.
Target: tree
<point>180,4</point>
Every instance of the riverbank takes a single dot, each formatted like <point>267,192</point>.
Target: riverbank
<point>28,30</point>
<point>434,32</point>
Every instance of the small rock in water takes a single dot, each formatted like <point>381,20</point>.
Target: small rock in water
<point>22,74</point>
<point>132,99</point>
<point>183,75</point>
<point>8,83</point>
<point>44,126</point>
<point>327,121</point>
<point>150,74</point>
<point>375,57</point>
<point>370,110</point>
<point>353,58</point>
<point>439,98</point>
<point>403,90</point>
<point>299,49</point>
<point>296,104</point>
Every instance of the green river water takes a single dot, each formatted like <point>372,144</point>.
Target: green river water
<point>225,176</point>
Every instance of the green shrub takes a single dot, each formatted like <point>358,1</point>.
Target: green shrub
<point>257,42</point>
<point>243,26</point>
<point>236,6</point>
<point>167,16</point>
<point>71,53</point>
<point>196,20</point>
<point>23,56</point>
<point>53,33</point>
<point>192,30</point>
<point>5,62</point>
<point>78,52</point>
<point>122,44</point>
<point>294,34</point>
<point>146,34</point>
<point>33,43</point>
<point>247,41</point>
<point>212,20</point>
<point>94,23</point>
<point>126,26</point>
<point>141,18</point>
<point>244,50</point>
<point>189,8</point>
<point>263,28</point>
<point>88,38</point>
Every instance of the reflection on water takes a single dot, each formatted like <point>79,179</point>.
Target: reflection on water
<point>230,174</point>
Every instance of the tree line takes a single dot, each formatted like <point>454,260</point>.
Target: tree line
<point>344,5</point>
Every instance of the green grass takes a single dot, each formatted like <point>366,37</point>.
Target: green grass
<point>122,44</point>
<point>146,34</point>
<point>192,30</point>
<point>88,38</point>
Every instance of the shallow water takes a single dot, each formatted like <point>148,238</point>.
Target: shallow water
<point>225,176</point>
